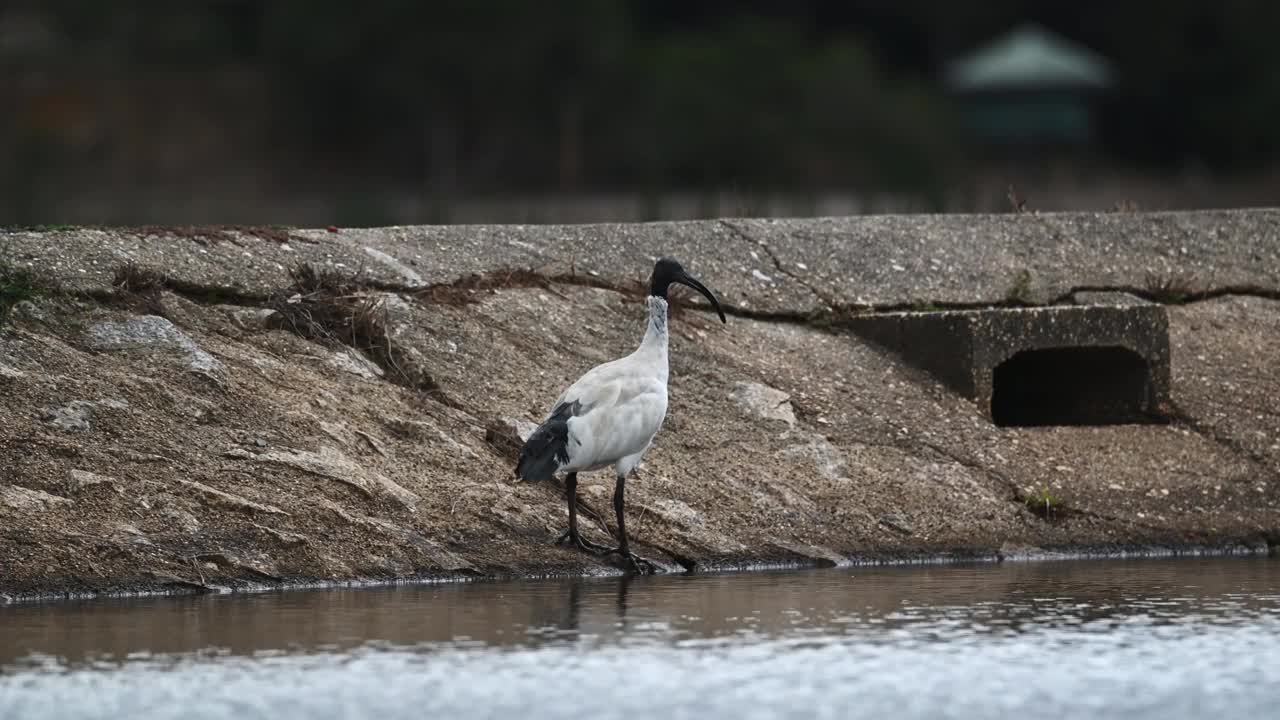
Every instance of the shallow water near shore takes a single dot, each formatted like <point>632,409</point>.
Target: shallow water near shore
<point>1176,638</point>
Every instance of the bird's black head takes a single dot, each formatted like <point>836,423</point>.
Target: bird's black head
<point>668,271</point>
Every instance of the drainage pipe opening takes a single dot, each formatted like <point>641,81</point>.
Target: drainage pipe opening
<point>1072,386</point>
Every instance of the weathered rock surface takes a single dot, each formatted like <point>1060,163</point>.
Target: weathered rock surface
<point>150,331</point>
<point>122,466</point>
<point>28,500</point>
<point>764,402</point>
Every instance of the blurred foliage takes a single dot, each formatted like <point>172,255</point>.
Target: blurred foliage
<point>491,93</point>
<point>487,95</point>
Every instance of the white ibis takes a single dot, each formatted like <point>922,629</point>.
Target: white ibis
<point>610,416</point>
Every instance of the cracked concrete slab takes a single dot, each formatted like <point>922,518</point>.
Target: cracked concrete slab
<point>962,259</point>
<point>763,266</point>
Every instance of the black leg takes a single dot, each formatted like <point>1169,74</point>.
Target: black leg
<point>619,501</point>
<point>572,536</point>
<point>638,564</point>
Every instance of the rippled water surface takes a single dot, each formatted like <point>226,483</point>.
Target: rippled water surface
<point>1191,638</point>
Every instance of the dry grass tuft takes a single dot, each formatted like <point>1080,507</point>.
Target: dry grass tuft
<point>133,278</point>
<point>1172,288</point>
<point>333,308</point>
<point>140,288</point>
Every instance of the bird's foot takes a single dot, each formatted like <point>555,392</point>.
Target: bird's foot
<point>574,539</point>
<point>638,565</point>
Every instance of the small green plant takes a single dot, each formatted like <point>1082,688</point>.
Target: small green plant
<point>16,285</point>
<point>1044,503</point>
<point>1020,292</point>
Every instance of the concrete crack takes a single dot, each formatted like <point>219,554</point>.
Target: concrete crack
<point>1019,497</point>
<point>829,301</point>
<point>1012,486</point>
<point>1208,432</point>
<point>1188,298</point>
<point>831,315</point>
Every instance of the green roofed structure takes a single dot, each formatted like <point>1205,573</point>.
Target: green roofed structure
<point>1029,87</point>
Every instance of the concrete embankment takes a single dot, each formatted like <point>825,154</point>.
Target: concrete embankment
<point>192,409</point>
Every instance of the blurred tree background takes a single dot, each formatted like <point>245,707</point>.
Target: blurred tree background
<point>310,112</point>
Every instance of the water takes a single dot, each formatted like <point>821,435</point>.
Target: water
<point>1192,638</point>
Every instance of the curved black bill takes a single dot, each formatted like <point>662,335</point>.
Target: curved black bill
<point>685,279</point>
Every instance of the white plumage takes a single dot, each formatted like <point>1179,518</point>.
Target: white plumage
<point>610,415</point>
<point>622,403</point>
